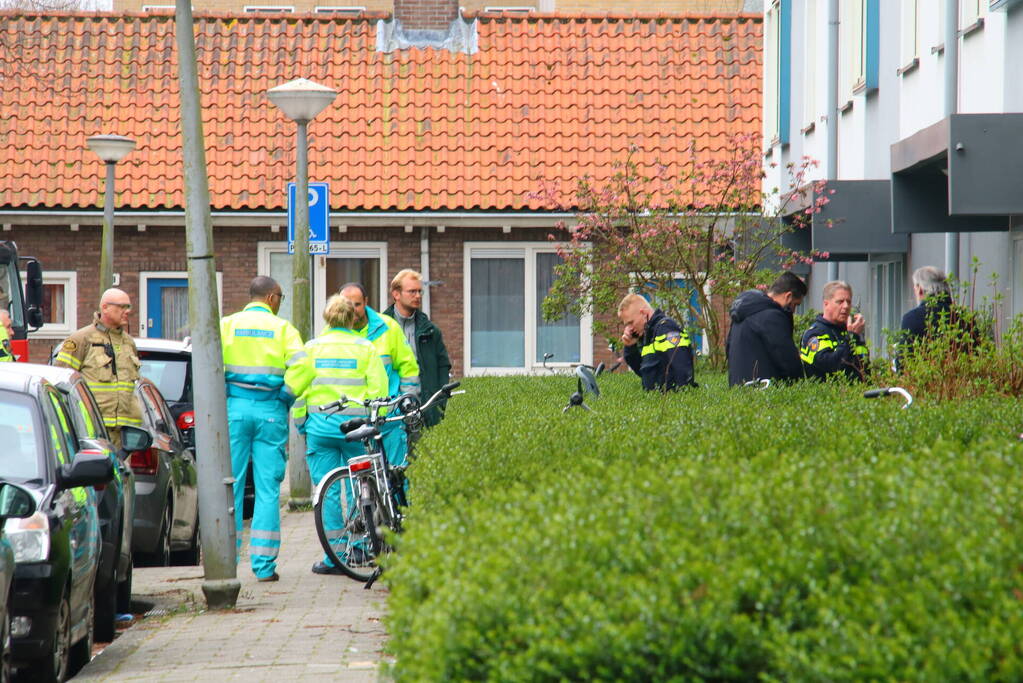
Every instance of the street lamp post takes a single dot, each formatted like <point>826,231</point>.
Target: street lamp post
<point>301,100</point>
<point>111,149</point>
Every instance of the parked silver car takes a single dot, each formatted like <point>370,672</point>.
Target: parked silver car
<point>166,493</point>
<point>15,503</point>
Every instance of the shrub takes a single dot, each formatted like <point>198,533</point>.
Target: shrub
<point>789,534</point>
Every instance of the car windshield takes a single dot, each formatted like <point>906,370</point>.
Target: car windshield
<point>170,375</point>
<point>20,437</point>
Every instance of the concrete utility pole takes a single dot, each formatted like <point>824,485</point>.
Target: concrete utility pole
<point>216,496</point>
<point>301,100</point>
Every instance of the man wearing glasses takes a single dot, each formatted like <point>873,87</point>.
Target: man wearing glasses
<point>106,356</point>
<point>258,347</point>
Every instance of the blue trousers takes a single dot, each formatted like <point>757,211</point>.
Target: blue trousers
<point>259,433</point>
<point>395,443</point>
<point>323,454</point>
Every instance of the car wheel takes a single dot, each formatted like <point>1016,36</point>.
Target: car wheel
<point>106,613</point>
<point>81,652</point>
<point>5,653</point>
<point>54,667</point>
<point>162,555</point>
<point>193,554</point>
<point>124,592</point>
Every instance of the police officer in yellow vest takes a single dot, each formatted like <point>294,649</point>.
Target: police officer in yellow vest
<point>6,335</point>
<point>338,363</point>
<point>106,356</point>
<point>834,343</point>
<point>258,348</point>
<point>399,361</point>
<point>656,347</point>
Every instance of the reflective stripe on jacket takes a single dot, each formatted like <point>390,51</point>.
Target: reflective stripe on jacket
<point>258,347</point>
<point>828,348</point>
<point>337,363</point>
<point>397,356</point>
<point>664,357</point>
<point>109,363</point>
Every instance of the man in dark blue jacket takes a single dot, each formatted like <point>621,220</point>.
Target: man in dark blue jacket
<point>760,344</point>
<point>656,347</point>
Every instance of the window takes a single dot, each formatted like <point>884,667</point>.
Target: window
<point>886,304</point>
<point>852,38</point>
<point>910,32</point>
<point>777,72</point>
<point>505,332</point>
<point>60,304</point>
<point>810,64</point>
<point>163,304</point>
<point>970,11</point>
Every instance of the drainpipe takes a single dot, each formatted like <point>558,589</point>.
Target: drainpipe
<point>833,113</point>
<point>424,265</point>
<point>951,107</point>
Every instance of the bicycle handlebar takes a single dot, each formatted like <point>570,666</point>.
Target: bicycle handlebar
<point>375,404</point>
<point>888,391</point>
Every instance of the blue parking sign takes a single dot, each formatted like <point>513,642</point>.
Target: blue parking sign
<point>319,218</point>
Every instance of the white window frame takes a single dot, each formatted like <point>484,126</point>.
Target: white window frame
<point>69,279</point>
<point>810,64</point>
<point>971,11</point>
<point>852,46</point>
<point>146,276</point>
<point>772,71</point>
<point>331,9</point>
<point>346,249</point>
<point>268,9</point>
<point>526,251</point>
<point>887,305</point>
<point>910,29</point>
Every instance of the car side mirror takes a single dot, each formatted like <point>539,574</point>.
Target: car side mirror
<point>89,468</point>
<point>135,439</point>
<point>15,502</point>
<point>34,294</point>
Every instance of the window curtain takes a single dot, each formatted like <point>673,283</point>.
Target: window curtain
<point>560,337</point>
<point>497,312</point>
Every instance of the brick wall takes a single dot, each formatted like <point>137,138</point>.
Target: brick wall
<point>434,15</point>
<point>163,249</point>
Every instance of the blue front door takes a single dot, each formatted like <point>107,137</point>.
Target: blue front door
<point>167,307</point>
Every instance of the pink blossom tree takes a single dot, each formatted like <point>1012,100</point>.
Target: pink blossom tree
<point>692,238</point>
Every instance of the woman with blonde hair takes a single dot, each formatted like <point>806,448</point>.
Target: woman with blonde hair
<point>337,363</point>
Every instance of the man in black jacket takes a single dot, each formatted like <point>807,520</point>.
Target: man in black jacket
<point>760,344</point>
<point>834,343</point>
<point>663,358</point>
<point>423,336</point>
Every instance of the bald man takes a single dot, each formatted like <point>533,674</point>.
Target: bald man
<point>106,356</point>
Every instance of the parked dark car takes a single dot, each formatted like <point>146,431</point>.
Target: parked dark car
<point>15,503</point>
<point>57,548</point>
<point>166,488</point>
<point>168,364</point>
<point>116,500</point>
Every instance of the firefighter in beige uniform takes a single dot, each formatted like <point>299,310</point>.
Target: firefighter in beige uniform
<point>106,356</point>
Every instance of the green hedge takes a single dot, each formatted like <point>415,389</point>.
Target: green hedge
<point>797,533</point>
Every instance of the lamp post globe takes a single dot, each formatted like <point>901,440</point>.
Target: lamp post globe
<point>301,100</point>
<point>111,149</point>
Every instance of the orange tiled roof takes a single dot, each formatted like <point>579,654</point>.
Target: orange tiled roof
<point>551,97</point>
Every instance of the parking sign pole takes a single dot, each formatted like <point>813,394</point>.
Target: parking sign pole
<point>216,498</point>
<point>299,484</point>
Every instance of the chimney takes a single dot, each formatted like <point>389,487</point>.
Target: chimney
<point>428,15</point>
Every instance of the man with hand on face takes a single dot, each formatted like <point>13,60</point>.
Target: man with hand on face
<point>834,343</point>
<point>656,347</point>
<point>106,356</point>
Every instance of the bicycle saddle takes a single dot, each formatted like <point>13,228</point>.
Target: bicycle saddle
<point>362,433</point>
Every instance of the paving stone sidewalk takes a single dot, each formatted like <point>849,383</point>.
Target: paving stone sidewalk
<point>303,627</point>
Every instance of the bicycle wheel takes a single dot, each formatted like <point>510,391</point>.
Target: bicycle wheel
<point>341,525</point>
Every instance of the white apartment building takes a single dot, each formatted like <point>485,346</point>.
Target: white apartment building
<point>925,160</point>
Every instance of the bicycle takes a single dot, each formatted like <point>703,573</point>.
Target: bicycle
<point>368,491</point>
<point>907,398</point>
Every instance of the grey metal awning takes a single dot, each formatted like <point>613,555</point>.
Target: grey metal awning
<point>857,221</point>
<point>961,174</point>
<point>854,224</point>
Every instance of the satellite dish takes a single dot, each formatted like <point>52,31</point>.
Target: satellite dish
<point>587,380</point>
